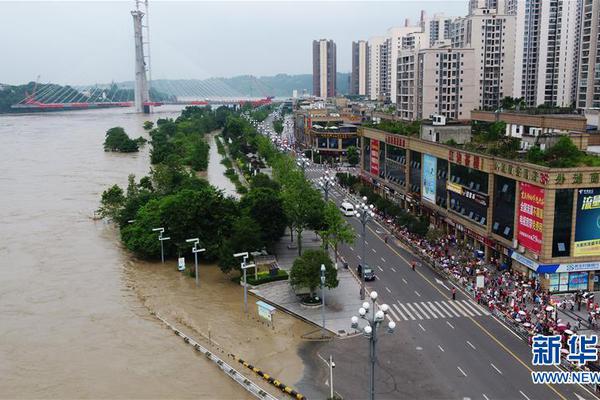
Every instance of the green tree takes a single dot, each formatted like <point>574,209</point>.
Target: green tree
<point>264,205</point>
<point>301,202</point>
<point>263,181</point>
<point>306,271</point>
<point>148,125</point>
<point>563,154</point>
<point>352,155</point>
<point>243,237</point>
<point>117,140</point>
<point>112,202</point>
<point>336,229</point>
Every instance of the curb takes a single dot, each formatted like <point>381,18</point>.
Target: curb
<point>279,385</point>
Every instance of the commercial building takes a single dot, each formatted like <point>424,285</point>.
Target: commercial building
<point>358,82</point>
<point>539,220</point>
<point>588,92</point>
<point>546,51</point>
<point>324,68</point>
<point>438,81</point>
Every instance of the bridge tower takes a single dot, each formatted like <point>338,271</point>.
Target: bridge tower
<point>141,90</point>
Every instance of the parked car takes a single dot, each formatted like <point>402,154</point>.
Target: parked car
<point>369,274</point>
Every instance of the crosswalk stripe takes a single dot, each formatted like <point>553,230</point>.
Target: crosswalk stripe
<point>465,303</point>
<point>393,314</point>
<point>400,312</point>
<point>435,310</point>
<point>415,311</point>
<point>476,306</point>
<point>422,311</point>
<point>426,307</point>
<point>451,309</point>
<point>464,311</point>
<point>407,312</point>
<point>444,310</point>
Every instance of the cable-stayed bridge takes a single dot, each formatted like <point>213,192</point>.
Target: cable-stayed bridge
<point>142,93</point>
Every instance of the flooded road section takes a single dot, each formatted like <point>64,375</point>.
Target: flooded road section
<point>70,324</point>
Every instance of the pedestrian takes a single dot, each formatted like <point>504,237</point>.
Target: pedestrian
<point>453,293</point>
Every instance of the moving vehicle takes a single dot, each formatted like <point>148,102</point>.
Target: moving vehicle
<point>347,209</point>
<point>369,274</point>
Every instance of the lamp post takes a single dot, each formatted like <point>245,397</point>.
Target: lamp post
<point>323,296</point>
<point>326,182</point>
<point>331,367</point>
<point>244,256</point>
<point>364,213</point>
<point>196,250</point>
<point>161,239</point>
<point>302,163</point>
<point>374,320</point>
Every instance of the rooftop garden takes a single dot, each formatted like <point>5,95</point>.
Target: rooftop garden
<point>398,127</point>
<point>517,104</point>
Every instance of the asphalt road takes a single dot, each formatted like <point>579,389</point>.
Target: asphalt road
<point>441,349</point>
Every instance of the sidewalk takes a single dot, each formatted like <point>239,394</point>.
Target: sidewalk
<point>341,303</point>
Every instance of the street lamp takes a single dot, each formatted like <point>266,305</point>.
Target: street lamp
<point>196,250</point>
<point>323,295</point>
<point>326,182</point>
<point>244,256</point>
<point>302,163</point>
<point>364,213</point>
<point>374,320</point>
<point>161,239</point>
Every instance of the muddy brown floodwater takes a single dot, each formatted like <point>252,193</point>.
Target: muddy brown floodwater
<point>74,306</point>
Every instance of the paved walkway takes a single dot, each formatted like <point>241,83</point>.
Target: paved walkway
<point>341,303</point>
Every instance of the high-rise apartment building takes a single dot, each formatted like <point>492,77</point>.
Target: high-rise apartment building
<point>358,83</point>
<point>397,38</point>
<point>491,35</point>
<point>375,65</point>
<point>588,92</point>
<point>438,30</point>
<point>324,68</point>
<point>546,50</point>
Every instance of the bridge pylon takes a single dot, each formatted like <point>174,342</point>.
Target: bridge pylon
<point>141,89</point>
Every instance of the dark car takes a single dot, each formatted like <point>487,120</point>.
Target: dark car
<point>369,274</point>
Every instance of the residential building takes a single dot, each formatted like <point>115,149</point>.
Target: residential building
<point>588,92</point>
<point>439,29</point>
<point>375,66</point>
<point>358,83</point>
<point>546,45</point>
<point>324,68</point>
<point>399,38</point>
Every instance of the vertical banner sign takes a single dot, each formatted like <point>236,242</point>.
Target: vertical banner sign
<point>531,217</point>
<point>587,225</point>
<point>429,180</point>
<point>375,157</point>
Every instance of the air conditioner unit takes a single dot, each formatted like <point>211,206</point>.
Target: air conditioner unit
<point>521,249</point>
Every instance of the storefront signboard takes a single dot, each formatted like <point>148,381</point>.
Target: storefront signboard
<point>375,157</point>
<point>587,225</point>
<point>531,217</point>
<point>429,180</point>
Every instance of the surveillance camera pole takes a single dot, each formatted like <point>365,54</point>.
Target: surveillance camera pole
<point>244,256</point>
<point>331,366</point>
<point>196,250</point>
<point>161,239</point>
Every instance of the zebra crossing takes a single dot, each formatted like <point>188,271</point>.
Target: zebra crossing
<point>429,310</point>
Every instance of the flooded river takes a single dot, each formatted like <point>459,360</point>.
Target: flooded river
<point>71,326</point>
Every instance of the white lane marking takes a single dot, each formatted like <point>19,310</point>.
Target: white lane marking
<point>496,368</point>
<point>441,348</point>
<point>441,283</point>
<point>351,248</point>
<point>382,259</point>
<point>374,251</point>
<point>393,314</point>
<point>465,303</point>
<point>381,269</point>
<point>422,310</point>
<point>393,269</point>
<point>471,344</point>
<point>461,371</point>
<point>475,306</point>
<point>407,312</point>
<point>367,243</point>
<point>388,289</point>
<point>417,293</point>
<point>404,280</point>
<point>485,397</point>
<point>357,256</point>
<point>454,306</point>
<point>376,277</point>
<point>421,326</point>
<point>458,304</point>
<point>451,326</point>
<point>434,308</point>
<point>426,307</point>
<point>399,312</point>
<point>443,309</point>
<point>446,305</point>
<point>414,311</point>
<point>524,395</point>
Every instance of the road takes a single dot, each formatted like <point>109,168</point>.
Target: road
<point>441,349</point>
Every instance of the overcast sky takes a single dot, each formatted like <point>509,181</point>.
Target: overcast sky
<point>86,42</point>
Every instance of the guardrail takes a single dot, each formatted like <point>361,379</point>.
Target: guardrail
<point>246,383</point>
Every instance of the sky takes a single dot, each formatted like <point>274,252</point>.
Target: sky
<point>87,42</point>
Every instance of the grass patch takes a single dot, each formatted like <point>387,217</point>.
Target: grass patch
<point>263,277</point>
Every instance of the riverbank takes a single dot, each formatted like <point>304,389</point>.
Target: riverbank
<point>215,310</point>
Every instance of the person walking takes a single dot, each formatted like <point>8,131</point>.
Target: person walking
<point>453,293</point>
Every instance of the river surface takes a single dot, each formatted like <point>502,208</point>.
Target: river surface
<point>70,325</point>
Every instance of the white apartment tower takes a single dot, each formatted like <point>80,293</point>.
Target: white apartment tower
<point>324,68</point>
<point>397,40</point>
<point>358,81</point>
<point>588,92</point>
<point>547,39</point>
<point>374,49</point>
<point>439,29</point>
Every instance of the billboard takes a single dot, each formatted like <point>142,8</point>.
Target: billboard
<point>587,225</point>
<point>375,157</point>
<point>531,217</point>
<point>429,174</point>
